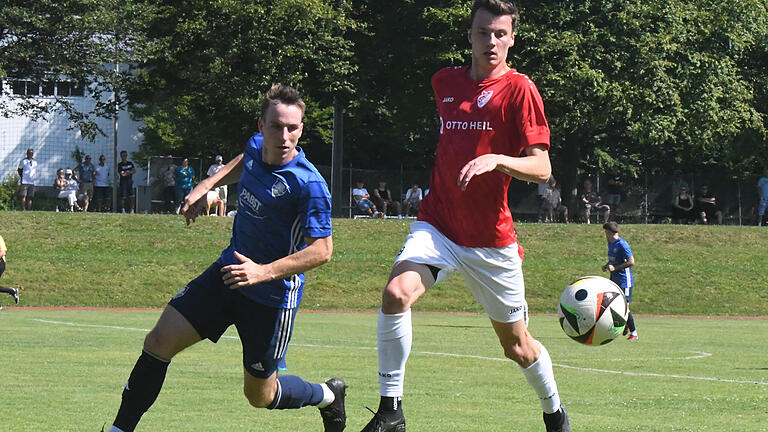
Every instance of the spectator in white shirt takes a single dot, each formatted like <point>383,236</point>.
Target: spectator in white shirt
<point>28,174</point>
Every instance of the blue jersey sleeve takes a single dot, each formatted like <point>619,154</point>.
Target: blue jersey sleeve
<point>626,250</point>
<point>316,209</point>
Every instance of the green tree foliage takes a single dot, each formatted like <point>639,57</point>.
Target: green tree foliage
<point>397,50</point>
<point>645,83</point>
<point>648,85</point>
<point>78,40</point>
<point>200,87</point>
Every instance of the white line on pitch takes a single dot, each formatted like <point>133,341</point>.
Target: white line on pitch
<point>700,354</point>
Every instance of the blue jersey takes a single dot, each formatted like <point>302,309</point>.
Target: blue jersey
<point>618,253</point>
<point>762,184</point>
<point>278,206</point>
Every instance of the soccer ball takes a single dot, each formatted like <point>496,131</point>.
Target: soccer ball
<point>592,310</point>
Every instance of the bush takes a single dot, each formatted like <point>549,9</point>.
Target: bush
<point>8,192</point>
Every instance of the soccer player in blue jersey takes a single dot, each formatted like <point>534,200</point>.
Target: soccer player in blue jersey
<point>282,228</point>
<point>620,262</point>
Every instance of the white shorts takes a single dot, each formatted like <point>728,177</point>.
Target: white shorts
<point>493,275</point>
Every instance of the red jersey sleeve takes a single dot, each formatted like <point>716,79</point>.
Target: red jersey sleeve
<point>527,109</point>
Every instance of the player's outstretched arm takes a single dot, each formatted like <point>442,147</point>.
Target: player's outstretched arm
<point>194,202</point>
<point>535,167</point>
<point>317,252</point>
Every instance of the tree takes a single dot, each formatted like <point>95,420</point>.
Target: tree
<point>75,40</point>
<point>399,47</point>
<point>200,87</point>
<point>655,83</point>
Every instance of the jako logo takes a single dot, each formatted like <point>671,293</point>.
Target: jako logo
<point>448,99</point>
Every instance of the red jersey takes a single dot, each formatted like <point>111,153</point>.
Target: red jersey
<point>503,115</point>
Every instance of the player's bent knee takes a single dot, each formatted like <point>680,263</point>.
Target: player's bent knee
<point>258,397</point>
<point>397,297</point>
<point>520,355</point>
<point>258,401</point>
<point>156,344</point>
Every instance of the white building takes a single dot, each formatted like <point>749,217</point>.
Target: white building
<point>51,139</point>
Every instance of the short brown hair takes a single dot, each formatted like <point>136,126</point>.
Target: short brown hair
<point>283,94</point>
<point>496,8</point>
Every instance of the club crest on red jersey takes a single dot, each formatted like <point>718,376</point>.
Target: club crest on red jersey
<point>484,97</point>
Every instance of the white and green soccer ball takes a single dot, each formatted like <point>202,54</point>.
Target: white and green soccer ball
<point>593,310</point>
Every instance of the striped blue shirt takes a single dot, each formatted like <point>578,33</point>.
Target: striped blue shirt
<point>278,206</point>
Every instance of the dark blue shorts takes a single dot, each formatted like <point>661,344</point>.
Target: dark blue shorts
<point>102,192</point>
<point>211,307</point>
<point>126,189</point>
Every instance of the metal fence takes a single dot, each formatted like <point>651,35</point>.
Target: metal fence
<point>645,199</point>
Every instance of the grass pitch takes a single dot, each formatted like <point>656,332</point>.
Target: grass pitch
<point>110,260</point>
<point>64,371</point>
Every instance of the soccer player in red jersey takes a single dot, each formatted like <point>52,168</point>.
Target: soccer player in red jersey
<point>490,114</point>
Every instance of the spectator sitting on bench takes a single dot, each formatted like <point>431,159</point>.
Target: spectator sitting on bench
<point>382,197</point>
<point>363,200</point>
<point>412,200</point>
<point>682,207</point>
<point>553,202</point>
<point>591,201</point>
<point>707,207</point>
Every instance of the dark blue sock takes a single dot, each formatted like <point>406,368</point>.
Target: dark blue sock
<point>142,389</point>
<point>293,392</point>
<point>631,322</point>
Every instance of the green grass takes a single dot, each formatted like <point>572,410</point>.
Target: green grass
<point>62,259</point>
<point>64,371</point>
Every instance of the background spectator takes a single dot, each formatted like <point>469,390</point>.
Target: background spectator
<point>185,181</point>
<point>412,200</point>
<point>383,199</point>
<point>61,188</point>
<point>362,200</point>
<point>592,202</point>
<point>168,180</point>
<point>101,188</point>
<point>221,205</point>
<point>83,173</point>
<point>553,202</point>
<point>682,207</point>
<point>614,189</point>
<point>126,169</point>
<point>28,176</point>
<point>67,189</point>
<point>540,200</point>
<point>762,186</point>
<point>707,207</point>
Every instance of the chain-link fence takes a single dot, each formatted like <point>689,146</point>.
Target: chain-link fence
<point>644,199</point>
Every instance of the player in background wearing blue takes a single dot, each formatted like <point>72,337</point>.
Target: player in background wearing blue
<point>762,192</point>
<point>282,228</point>
<point>620,262</point>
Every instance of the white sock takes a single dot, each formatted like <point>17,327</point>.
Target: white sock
<point>328,396</point>
<point>540,376</point>
<point>115,429</point>
<point>395,335</point>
